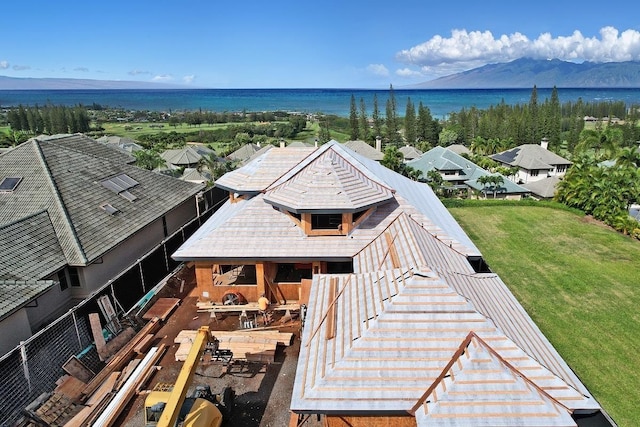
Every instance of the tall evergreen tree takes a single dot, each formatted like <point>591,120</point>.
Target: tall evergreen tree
<point>353,120</point>
<point>410,129</point>
<point>391,119</point>
<point>554,119</point>
<point>533,131</point>
<point>377,121</point>
<point>364,123</point>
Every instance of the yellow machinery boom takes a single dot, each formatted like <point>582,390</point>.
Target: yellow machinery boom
<point>171,410</point>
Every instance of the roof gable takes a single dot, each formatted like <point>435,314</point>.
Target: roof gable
<point>477,385</point>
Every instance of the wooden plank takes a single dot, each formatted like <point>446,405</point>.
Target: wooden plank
<point>74,367</point>
<point>144,345</point>
<point>122,357</point>
<point>119,341</point>
<point>98,337</point>
<point>71,387</point>
<point>161,308</point>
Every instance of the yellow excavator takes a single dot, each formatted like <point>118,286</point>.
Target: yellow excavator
<point>173,408</point>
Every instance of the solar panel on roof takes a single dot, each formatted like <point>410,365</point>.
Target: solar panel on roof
<point>9,183</point>
<point>119,184</point>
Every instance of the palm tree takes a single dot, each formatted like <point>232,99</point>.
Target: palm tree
<point>148,159</point>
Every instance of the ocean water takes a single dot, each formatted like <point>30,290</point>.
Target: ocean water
<point>441,102</point>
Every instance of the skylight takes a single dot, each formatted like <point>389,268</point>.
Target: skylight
<point>119,184</point>
<point>109,209</point>
<point>8,184</point>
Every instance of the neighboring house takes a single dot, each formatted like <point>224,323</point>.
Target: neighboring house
<point>366,150</point>
<point>461,173</point>
<point>186,157</point>
<point>543,189</point>
<point>74,214</point>
<point>405,325</point>
<point>247,151</point>
<point>459,149</point>
<point>194,175</point>
<point>122,143</point>
<point>410,153</point>
<point>535,162</point>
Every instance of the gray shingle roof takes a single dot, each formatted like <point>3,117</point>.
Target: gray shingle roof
<point>181,157</point>
<point>545,188</point>
<point>364,149</point>
<point>30,248</point>
<point>410,152</point>
<point>530,157</point>
<point>62,175</point>
<point>17,293</point>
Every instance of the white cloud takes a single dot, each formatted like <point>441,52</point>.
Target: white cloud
<point>163,78</point>
<point>4,65</point>
<point>378,69</point>
<point>21,67</point>
<point>138,72</point>
<point>189,79</point>
<point>408,73</point>
<point>470,49</point>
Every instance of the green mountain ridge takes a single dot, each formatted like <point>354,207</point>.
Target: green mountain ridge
<point>527,72</point>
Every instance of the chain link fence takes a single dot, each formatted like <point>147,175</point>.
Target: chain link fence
<point>33,368</point>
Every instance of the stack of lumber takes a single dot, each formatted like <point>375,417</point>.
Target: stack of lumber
<point>207,306</point>
<point>251,345</point>
<point>81,397</point>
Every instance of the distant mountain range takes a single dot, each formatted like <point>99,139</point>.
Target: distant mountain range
<point>525,73</point>
<point>521,73</point>
<point>27,83</point>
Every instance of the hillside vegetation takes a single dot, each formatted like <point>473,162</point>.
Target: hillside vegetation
<point>578,279</point>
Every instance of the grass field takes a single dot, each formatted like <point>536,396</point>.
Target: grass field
<point>580,282</point>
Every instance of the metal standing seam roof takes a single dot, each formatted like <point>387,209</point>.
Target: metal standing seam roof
<point>328,183</point>
<point>262,171</point>
<point>513,398</point>
<point>378,341</point>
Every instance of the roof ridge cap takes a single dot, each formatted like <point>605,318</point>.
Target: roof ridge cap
<point>68,224</point>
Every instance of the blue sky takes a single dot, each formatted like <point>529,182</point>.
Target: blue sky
<point>294,44</point>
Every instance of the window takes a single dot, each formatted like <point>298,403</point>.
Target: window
<point>561,168</point>
<point>9,184</point>
<point>74,277</point>
<point>62,278</point>
<point>534,172</point>
<point>326,221</point>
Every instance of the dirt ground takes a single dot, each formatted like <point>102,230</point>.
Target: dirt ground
<point>262,391</point>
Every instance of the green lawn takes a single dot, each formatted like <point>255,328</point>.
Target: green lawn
<point>580,282</point>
